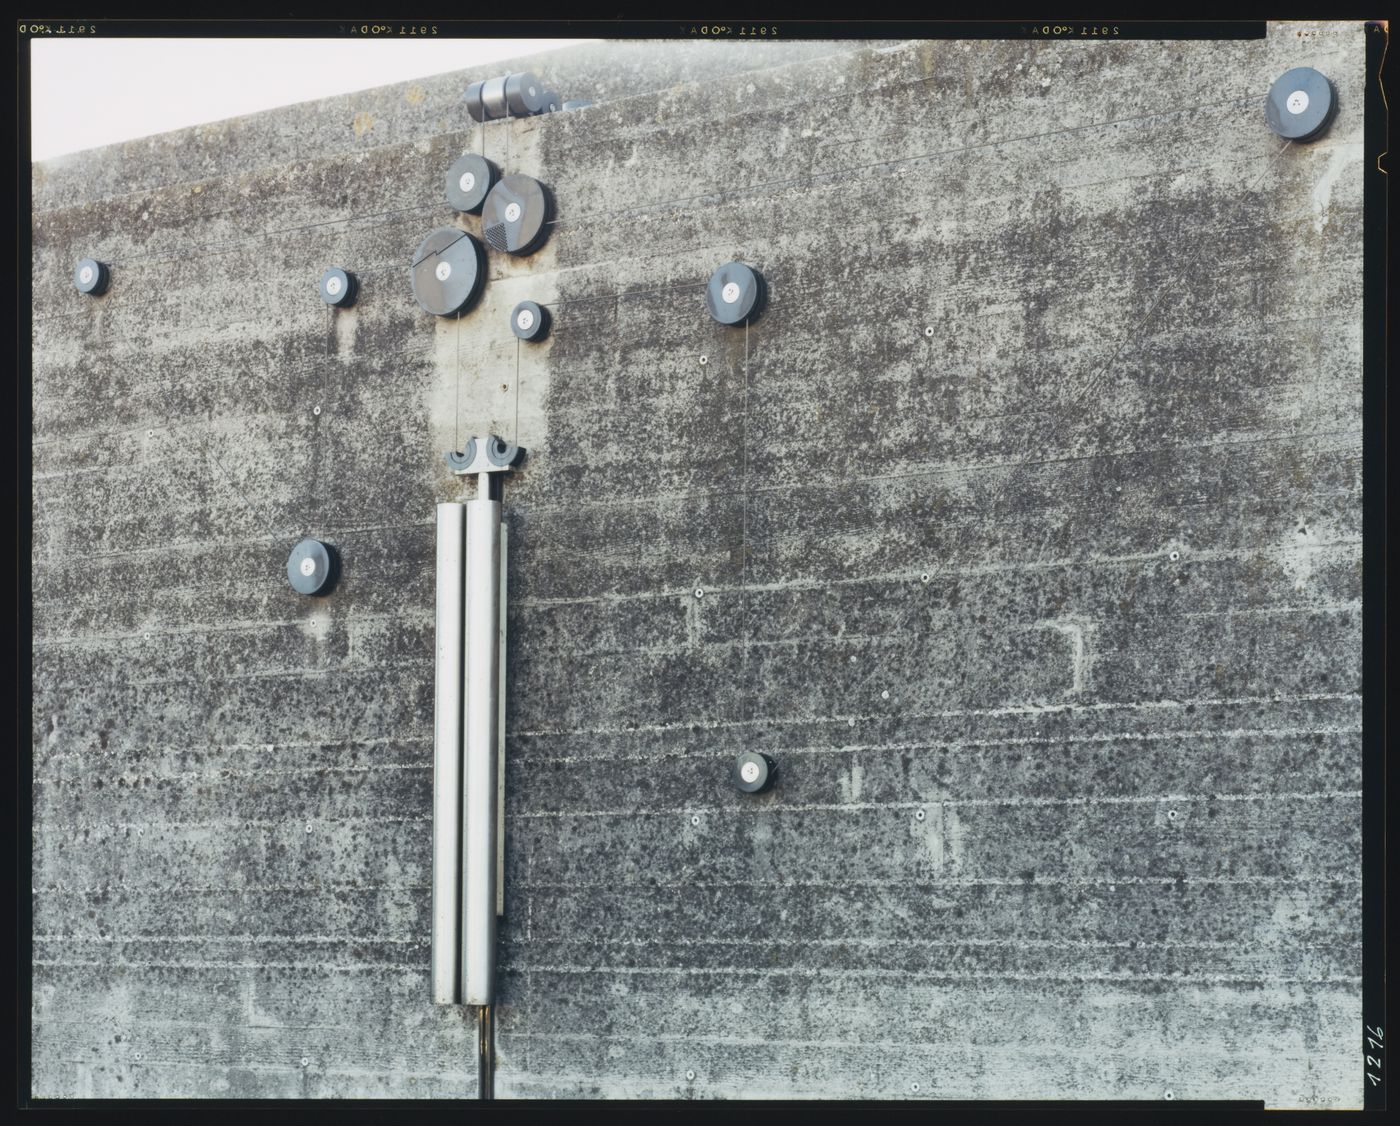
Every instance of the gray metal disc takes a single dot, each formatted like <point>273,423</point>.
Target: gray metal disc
<point>91,276</point>
<point>552,102</point>
<point>469,180</point>
<point>338,287</point>
<point>753,773</point>
<point>448,271</point>
<point>1300,104</point>
<point>501,452</point>
<point>524,93</point>
<point>734,294</point>
<point>309,567</point>
<point>515,216</point>
<point>528,321</point>
<point>461,462</point>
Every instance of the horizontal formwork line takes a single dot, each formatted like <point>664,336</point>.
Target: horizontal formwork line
<point>1301,882</point>
<point>648,1036</point>
<point>929,975</point>
<point>728,971</point>
<point>844,483</point>
<point>903,576</point>
<point>964,744</point>
<point>158,964</point>
<point>1256,611</point>
<point>698,724</point>
<point>217,773</point>
<point>213,545</point>
<point>249,939</point>
<point>324,672</point>
<point>116,751</point>
<point>265,748</point>
<point>866,807</point>
<point>409,660</point>
<point>405,617</point>
<point>920,943</point>
<point>425,658</point>
<point>228,889</point>
<point>187,252</point>
<point>134,753</point>
<point>729,811</point>
<point>146,1022</point>
<point>125,1064</point>
<point>1012,710</point>
<point>960,881</point>
<point>746,644</point>
<point>165,429</point>
<point>915,576</point>
<point>250,541</point>
<point>257,822</point>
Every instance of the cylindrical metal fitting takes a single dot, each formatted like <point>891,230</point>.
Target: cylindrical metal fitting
<point>479,775</point>
<point>447,758</point>
<point>472,97</point>
<point>493,97</point>
<point>524,93</point>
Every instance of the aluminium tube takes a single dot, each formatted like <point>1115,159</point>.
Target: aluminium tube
<point>447,758</point>
<point>482,684</point>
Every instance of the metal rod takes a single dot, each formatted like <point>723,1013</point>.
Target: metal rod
<point>447,758</point>
<point>485,1054</point>
<point>482,685</point>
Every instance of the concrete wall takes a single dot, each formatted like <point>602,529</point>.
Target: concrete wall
<point>1027,520</point>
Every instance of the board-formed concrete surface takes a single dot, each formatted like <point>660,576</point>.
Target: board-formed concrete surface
<point>1022,530</point>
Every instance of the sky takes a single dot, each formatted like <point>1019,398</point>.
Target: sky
<point>91,92</point>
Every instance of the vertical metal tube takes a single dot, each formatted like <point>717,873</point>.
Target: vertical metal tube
<point>482,683</point>
<point>447,758</point>
<point>501,735</point>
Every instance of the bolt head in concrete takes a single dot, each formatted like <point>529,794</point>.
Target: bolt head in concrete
<point>338,287</point>
<point>318,555</point>
<point>754,772</point>
<point>91,277</point>
<point>529,321</point>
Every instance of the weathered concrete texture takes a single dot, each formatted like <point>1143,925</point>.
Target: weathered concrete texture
<point>1027,526</point>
